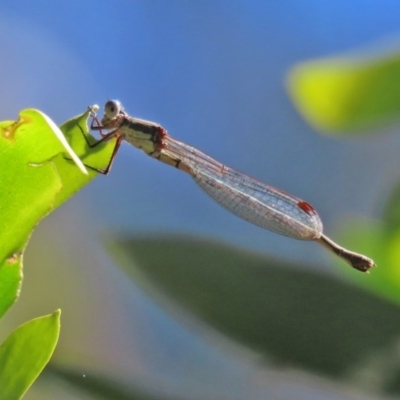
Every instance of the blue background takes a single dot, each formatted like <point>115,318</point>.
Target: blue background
<point>213,74</point>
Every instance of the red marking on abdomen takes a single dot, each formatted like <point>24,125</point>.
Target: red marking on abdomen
<point>162,131</point>
<point>158,140</point>
<point>308,208</point>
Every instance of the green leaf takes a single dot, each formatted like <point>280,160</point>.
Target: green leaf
<point>290,315</point>
<point>24,354</point>
<point>98,158</point>
<point>347,94</point>
<point>35,177</point>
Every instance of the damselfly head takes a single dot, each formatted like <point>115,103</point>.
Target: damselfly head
<point>114,114</point>
<point>112,108</point>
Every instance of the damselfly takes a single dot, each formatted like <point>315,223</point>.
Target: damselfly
<point>254,201</point>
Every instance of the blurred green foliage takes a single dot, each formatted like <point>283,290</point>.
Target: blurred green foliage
<point>344,95</point>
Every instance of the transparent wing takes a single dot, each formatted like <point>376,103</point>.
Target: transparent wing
<point>254,201</point>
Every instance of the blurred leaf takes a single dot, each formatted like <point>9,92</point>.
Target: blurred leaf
<point>35,178</point>
<point>103,387</point>
<point>347,94</point>
<point>24,354</point>
<point>288,314</point>
<point>391,213</point>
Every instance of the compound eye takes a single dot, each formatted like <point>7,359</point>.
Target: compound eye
<point>112,108</point>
